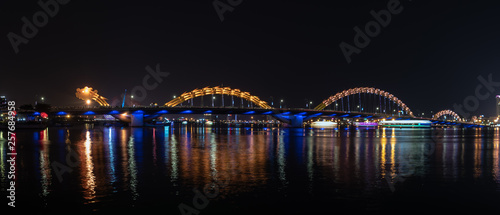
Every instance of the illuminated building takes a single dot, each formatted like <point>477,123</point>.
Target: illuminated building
<point>498,105</point>
<point>3,103</point>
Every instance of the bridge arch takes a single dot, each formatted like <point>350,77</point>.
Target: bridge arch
<point>365,90</point>
<point>447,112</point>
<point>217,91</point>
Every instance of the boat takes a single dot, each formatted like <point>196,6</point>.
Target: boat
<point>158,124</point>
<point>365,124</point>
<point>323,124</point>
<point>406,123</point>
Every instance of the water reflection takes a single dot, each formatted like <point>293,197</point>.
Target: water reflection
<point>496,160</point>
<point>88,178</point>
<point>143,164</point>
<point>109,142</point>
<point>45,167</point>
<point>281,161</point>
<point>136,138</point>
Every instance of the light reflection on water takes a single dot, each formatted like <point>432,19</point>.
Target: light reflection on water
<point>131,166</point>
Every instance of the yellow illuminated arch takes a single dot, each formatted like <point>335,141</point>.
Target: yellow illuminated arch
<point>88,94</point>
<point>217,91</point>
<point>447,112</point>
<point>357,90</point>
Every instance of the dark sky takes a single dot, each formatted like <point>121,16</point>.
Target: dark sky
<point>429,55</point>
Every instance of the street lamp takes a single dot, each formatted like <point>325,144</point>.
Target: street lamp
<point>43,99</point>
<point>281,101</point>
<point>88,102</point>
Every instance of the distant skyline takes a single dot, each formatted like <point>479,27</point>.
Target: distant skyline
<point>429,54</point>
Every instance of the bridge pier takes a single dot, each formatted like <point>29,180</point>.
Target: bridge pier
<point>296,121</point>
<point>293,121</point>
<point>137,119</point>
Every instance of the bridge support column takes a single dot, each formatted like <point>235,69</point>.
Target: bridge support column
<point>293,121</point>
<point>296,121</point>
<point>137,120</point>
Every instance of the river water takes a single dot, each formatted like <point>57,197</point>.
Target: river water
<point>204,170</point>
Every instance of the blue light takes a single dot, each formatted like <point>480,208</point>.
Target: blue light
<point>187,111</point>
<point>286,113</point>
<point>303,113</point>
<point>269,112</point>
<point>249,112</point>
<point>114,112</point>
<point>89,113</point>
<point>61,113</point>
<point>369,117</point>
<point>162,111</point>
<point>208,111</point>
<point>285,117</point>
<point>345,115</point>
<point>36,114</point>
<point>357,116</point>
<point>333,114</point>
<point>138,112</point>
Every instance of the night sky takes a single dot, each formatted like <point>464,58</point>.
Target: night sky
<point>429,55</point>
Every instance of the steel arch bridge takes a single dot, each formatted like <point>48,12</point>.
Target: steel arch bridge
<point>447,113</point>
<point>217,91</point>
<point>373,103</point>
<point>381,94</point>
